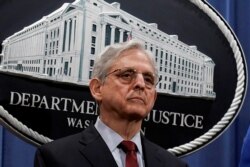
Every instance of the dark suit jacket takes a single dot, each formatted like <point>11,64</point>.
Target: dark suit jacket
<point>88,149</point>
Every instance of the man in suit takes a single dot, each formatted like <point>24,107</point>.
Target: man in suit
<point>124,86</point>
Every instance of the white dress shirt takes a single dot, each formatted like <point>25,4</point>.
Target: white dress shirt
<point>113,139</point>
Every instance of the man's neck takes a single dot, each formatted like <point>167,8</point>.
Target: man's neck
<point>126,129</point>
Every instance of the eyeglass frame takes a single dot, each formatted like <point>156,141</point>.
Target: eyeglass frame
<point>155,77</point>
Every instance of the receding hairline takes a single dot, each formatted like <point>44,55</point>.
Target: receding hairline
<point>124,53</point>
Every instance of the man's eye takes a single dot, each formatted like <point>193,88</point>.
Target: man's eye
<point>149,79</point>
<point>127,74</point>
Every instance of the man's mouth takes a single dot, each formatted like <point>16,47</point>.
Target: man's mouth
<point>137,100</point>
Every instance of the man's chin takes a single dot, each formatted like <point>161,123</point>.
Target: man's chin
<point>137,115</point>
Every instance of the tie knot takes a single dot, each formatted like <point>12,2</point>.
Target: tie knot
<point>127,146</point>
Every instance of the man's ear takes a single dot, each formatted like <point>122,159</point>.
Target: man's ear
<point>95,86</point>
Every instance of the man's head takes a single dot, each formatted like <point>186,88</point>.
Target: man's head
<point>124,80</point>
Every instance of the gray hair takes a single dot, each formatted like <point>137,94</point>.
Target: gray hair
<point>111,53</point>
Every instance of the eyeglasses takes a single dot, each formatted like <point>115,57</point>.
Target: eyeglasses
<point>127,75</point>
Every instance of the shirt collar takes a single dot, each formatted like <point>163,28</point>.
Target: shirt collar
<point>113,139</point>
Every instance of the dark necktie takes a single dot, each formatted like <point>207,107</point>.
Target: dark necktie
<point>130,149</point>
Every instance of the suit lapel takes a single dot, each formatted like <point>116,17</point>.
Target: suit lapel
<point>150,154</point>
<point>95,149</point>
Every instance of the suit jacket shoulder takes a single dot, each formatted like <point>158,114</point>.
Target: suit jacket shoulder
<point>155,155</point>
<point>83,149</point>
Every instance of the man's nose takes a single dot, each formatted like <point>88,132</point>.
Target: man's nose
<point>139,81</point>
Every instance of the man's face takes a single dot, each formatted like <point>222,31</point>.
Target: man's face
<point>124,97</point>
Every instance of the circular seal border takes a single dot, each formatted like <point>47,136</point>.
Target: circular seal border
<point>19,128</point>
<point>231,113</point>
